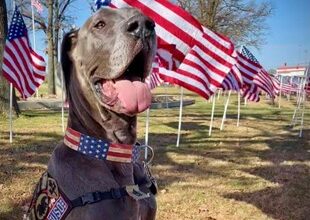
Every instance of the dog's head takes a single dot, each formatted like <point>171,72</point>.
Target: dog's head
<point>108,59</point>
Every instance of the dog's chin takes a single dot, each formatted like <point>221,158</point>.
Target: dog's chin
<point>127,94</point>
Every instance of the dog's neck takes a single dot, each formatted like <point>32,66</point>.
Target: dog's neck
<point>94,120</point>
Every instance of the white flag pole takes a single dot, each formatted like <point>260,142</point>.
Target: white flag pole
<point>147,124</point>
<point>280,94</point>
<point>304,100</point>
<point>34,39</point>
<point>62,88</point>
<point>239,100</point>
<point>302,113</point>
<point>180,117</point>
<point>212,114</point>
<point>10,112</point>
<point>225,110</point>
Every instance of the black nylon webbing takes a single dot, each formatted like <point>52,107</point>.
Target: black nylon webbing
<point>94,197</point>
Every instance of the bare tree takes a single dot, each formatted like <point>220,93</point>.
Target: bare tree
<point>51,48</point>
<point>243,21</point>
<point>4,85</point>
<point>51,24</point>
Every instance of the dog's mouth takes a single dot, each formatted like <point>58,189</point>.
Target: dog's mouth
<point>127,94</point>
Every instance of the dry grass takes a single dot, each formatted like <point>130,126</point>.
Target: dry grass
<point>260,170</point>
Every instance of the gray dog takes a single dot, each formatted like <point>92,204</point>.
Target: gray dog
<point>104,64</point>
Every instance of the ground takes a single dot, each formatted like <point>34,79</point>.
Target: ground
<point>260,170</point>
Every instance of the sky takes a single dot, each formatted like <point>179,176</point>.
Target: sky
<point>287,40</point>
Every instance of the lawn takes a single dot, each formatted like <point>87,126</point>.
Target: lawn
<point>260,170</point>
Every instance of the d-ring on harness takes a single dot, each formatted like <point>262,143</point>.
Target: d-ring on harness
<point>50,203</point>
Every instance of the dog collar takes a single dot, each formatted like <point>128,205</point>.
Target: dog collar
<point>101,149</point>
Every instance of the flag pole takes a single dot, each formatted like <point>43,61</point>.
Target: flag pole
<point>212,114</point>
<point>302,112</point>
<point>10,112</point>
<point>180,117</point>
<point>34,39</point>
<point>304,100</point>
<point>280,94</point>
<point>147,124</point>
<point>62,88</point>
<point>225,110</point>
<point>239,100</point>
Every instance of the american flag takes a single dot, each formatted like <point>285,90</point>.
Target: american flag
<point>233,80</point>
<point>288,87</point>
<point>163,60</point>
<point>307,85</point>
<point>253,73</point>
<point>154,80</point>
<point>100,149</point>
<point>23,67</point>
<point>100,3</point>
<point>276,84</point>
<point>251,93</point>
<point>37,4</point>
<point>205,57</point>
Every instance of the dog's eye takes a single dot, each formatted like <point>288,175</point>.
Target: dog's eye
<point>99,25</point>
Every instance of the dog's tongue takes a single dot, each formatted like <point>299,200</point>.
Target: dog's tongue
<point>134,96</point>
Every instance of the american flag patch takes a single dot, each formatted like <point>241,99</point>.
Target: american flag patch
<point>101,149</point>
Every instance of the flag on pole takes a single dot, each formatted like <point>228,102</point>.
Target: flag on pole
<point>251,93</point>
<point>253,73</point>
<point>22,67</point>
<point>100,3</point>
<point>307,86</point>
<point>276,84</point>
<point>233,80</point>
<point>154,80</point>
<point>37,4</point>
<point>205,57</point>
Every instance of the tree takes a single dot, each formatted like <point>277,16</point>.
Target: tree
<point>4,85</point>
<point>51,24</point>
<point>50,48</point>
<point>243,21</point>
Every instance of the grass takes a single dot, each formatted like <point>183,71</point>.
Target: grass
<point>260,170</point>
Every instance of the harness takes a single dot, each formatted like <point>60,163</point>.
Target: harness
<point>49,202</point>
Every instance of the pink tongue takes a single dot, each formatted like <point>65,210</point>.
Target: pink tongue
<point>134,96</point>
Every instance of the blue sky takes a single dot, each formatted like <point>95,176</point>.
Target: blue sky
<point>287,40</point>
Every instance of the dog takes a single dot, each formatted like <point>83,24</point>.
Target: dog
<point>105,64</point>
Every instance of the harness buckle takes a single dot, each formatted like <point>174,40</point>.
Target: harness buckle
<point>90,198</point>
<point>116,193</point>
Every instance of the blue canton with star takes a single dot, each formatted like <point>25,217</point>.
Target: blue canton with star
<point>93,147</point>
<point>245,52</point>
<point>17,28</point>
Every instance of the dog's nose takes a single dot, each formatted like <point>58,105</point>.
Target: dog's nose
<point>140,26</point>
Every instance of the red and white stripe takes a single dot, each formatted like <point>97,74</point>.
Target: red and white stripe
<point>23,67</point>
<point>253,73</point>
<point>205,57</point>
<point>120,153</point>
<point>276,84</point>
<point>72,139</point>
<point>37,4</point>
<point>251,93</point>
<point>307,86</point>
<point>154,80</point>
<point>289,88</point>
<point>233,80</point>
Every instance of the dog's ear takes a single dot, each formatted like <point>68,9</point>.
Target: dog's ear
<point>68,44</point>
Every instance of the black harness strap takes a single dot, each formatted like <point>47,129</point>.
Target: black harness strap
<point>94,197</point>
